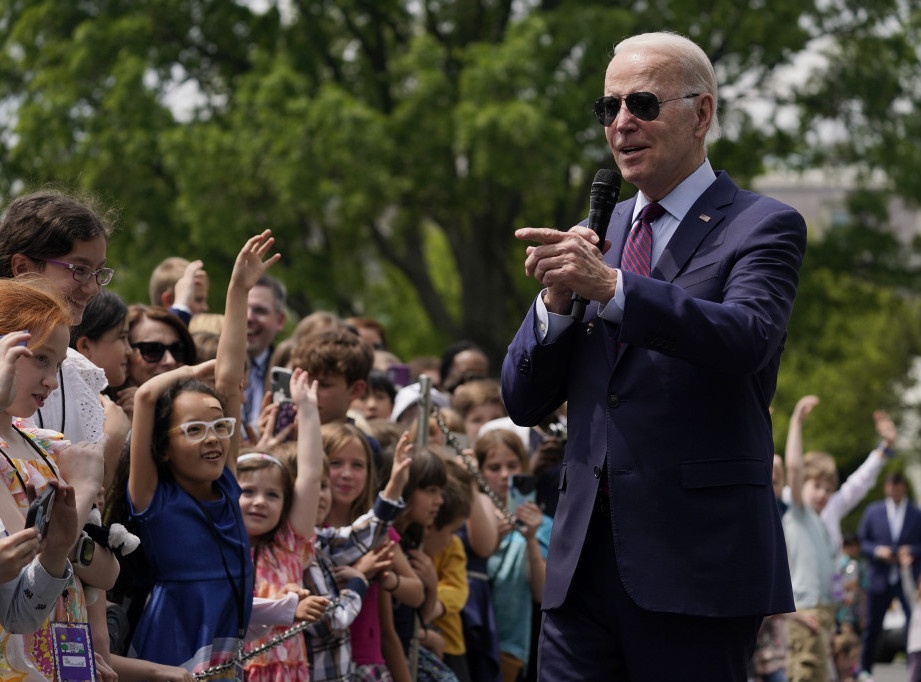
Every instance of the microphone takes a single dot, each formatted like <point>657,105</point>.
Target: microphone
<point>605,191</point>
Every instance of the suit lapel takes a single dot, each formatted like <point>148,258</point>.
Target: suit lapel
<point>701,219</point>
<point>705,215</point>
<point>907,525</point>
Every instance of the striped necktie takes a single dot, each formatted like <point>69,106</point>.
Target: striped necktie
<point>637,256</point>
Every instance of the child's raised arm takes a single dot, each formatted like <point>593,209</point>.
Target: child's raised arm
<point>231,348</point>
<point>399,471</point>
<point>303,513</point>
<point>142,472</point>
<point>793,455</point>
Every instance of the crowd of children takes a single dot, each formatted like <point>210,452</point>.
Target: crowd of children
<point>830,636</point>
<point>279,509</point>
<point>231,505</point>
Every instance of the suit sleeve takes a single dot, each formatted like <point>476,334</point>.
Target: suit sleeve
<point>738,327</point>
<point>868,541</point>
<point>531,395</point>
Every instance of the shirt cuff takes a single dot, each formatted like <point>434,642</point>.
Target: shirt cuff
<point>548,327</point>
<point>613,310</point>
<point>46,583</point>
<point>182,312</point>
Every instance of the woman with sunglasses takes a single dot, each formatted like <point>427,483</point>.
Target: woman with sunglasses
<point>159,343</point>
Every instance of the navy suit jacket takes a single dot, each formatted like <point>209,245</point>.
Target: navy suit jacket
<point>679,413</point>
<point>874,531</point>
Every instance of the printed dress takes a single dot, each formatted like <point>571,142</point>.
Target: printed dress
<point>283,562</point>
<point>29,658</point>
<point>202,576</point>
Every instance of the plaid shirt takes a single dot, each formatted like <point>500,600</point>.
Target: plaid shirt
<point>328,641</point>
<point>329,644</point>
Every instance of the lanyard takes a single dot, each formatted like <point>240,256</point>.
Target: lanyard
<point>41,420</point>
<point>238,589</point>
<point>41,453</point>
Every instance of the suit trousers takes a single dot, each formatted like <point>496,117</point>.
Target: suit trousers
<point>877,605</point>
<point>600,633</point>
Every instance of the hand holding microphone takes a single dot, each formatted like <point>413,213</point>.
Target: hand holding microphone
<point>605,191</point>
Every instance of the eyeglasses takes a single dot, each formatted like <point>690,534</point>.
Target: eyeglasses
<point>83,273</point>
<point>643,105</point>
<point>196,432</point>
<point>153,351</point>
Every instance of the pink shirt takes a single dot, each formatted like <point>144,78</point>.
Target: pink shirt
<point>366,628</point>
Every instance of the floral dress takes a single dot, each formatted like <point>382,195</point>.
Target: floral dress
<point>29,658</point>
<point>278,564</point>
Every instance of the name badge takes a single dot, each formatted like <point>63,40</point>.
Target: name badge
<point>73,652</point>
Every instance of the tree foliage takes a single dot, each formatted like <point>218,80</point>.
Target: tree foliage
<point>394,146</point>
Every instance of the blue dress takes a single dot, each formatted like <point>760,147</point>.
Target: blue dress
<point>191,618</point>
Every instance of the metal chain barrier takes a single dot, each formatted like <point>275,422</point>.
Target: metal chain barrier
<point>454,444</point>
<point>244,656</point>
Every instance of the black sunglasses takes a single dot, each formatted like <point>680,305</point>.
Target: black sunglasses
<point>643,105</point>
<point>153,351</point>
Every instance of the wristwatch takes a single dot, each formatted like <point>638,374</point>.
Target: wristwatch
<point>86,549</point>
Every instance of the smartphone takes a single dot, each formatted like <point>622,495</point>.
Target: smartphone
<point>39,513</point>
<point>280,384</point>
<point>287,411</point>
<point>521,488</point>
<point>411,538</point>
<point>399,374</point>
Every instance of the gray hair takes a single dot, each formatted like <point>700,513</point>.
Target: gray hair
<point>279,293</point>
<point>698,73</point>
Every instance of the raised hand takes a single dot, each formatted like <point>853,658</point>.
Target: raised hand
<point>12,347</point>
<point>803,407</point>
<point>251,262</point>
<point>399,472</point>
<point>885,428</point>
<point>304,393</point>
<point>193,277</point>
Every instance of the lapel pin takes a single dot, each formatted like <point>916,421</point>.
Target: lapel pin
<point>704,217</point>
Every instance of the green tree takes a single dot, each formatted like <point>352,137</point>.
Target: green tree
<point>361,132</point>
<point>394,146</point>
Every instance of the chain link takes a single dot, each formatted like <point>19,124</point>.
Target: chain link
<point>454,444</point>
<point>262,648</point>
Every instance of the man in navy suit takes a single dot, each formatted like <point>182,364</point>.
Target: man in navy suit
<point>888,529</point>
<point>667,548</point>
